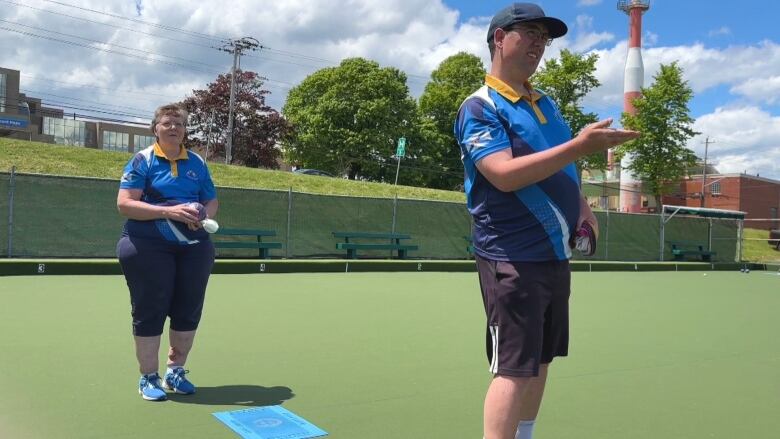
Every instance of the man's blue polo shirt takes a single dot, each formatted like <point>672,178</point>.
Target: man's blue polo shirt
<point>168,182</point>
<point>535,222</point>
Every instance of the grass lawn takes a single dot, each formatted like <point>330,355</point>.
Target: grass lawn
<point>44,158</point>
<point>397,356</point>
<point>757,249</point>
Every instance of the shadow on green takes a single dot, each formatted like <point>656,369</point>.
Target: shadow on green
<point>240,395</point>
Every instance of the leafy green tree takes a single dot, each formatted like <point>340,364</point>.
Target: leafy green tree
<point>567,81</point>
<point>659,156</point>
<point>347,120</point>
<point>455,79</point>
<point>257,127</point>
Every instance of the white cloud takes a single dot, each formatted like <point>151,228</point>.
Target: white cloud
<point>412,35</point>
<point>704,68</point>
<point>742,139</point>
<point>765,90</point>
<point>723,30</point>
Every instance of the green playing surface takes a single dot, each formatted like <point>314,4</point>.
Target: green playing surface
<point>397,355</point>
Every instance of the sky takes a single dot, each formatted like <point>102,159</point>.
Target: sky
<point>126,57</point>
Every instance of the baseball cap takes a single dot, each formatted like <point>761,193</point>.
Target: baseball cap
<point>523,13</point>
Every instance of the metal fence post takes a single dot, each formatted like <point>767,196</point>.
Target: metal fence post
<point>606,239</point>
<point>289,224</point>
<point>395,207</point>
<point>741,240</point>
<point>11,189</point>
<point>663,236</point>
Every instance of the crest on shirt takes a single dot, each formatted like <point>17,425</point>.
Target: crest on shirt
<point>192,175</point>
<point>479,140</point>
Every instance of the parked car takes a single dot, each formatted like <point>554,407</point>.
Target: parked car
<point>312,172</point>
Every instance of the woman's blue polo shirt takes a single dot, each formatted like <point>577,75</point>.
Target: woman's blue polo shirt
<point>167,182</point>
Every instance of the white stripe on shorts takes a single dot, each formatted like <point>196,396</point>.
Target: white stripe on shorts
<point>494,359</point>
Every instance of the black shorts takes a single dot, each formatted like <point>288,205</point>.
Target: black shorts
<point>527,308</point>
<point>165,280</point>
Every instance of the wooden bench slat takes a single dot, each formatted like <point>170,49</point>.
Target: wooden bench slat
<point>245,244</point>
<point>253,240</point>
<point>368,235</point>
<point>392,242</point>
<point>247,232</point>
<point>681,249</point>
<point>362,246</point>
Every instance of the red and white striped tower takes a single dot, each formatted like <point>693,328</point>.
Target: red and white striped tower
<point>630,187</point>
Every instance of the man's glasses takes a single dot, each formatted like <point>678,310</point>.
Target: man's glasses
<point>533,34</point>
<point>168,125</point>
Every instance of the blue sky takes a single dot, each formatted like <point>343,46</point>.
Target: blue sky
<point>730,54</point>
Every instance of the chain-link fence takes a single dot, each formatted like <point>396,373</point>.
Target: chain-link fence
<point>65,217</point>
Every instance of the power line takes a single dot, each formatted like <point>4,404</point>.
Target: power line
<point>78,107</point>
<point>36,92</point>
<point>411,77</point>
<point>147,23</point>
<point>145,52</point>
<point>136,31</point>
<point>39,78</point>
<point>73,43</point>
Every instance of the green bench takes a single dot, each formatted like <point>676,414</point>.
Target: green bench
<point>258,243</point>
<point>393,242</point>
<point>681,249</point>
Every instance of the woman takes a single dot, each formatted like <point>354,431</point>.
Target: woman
<point>165,254</point>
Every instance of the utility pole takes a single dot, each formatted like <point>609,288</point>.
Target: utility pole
<point>704,172</point>
<point>237,48</point>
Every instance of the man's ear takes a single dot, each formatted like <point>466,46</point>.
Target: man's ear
<point>498,37</point>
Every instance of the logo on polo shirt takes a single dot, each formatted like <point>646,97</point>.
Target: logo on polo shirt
<point>192,175</point>
<point>479,140</point>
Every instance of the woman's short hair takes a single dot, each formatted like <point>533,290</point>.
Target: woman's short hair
<point>169,110</point>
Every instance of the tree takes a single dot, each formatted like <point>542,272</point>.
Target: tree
<point>453,81</point>
<point>347,120</point>
<point>567,81</point>
<point>257,127</point>
<point>659,156</point>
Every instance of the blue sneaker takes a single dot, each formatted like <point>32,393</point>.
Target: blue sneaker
<point>176,381</point>
<point>149,388</point>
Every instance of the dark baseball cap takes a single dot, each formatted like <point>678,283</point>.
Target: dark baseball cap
<point>525,13</point>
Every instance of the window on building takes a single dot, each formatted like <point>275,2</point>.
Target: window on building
<point>141,142</point>
<point>113,141</point>
<point>65,131</point>
<point>715,188</point>
<point>2,91</point>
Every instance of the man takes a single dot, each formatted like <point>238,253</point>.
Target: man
<point>523,193</point>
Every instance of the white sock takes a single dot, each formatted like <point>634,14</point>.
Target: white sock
<point>172,367</point>
<point>525,430</point>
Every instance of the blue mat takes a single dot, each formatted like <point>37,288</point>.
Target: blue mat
<point>271,422</point>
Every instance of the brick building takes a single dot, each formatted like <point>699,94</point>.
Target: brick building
<point>24,117</point>
<point>758,196</point>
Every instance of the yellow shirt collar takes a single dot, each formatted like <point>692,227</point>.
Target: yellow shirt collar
<point>514,97</point>
<point>508,92</point>
<point>159,153</point>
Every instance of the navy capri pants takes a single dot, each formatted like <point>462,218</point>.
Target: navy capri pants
<point>165,279</point>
